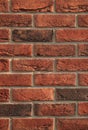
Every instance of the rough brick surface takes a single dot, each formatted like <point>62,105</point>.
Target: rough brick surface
<point>83,109</point>
<point>74,35</point>
<point>15,110</point>
<point>55,21</point>
<point>69,124</point>
<point>83,79</point>
<point>33,124</point>
<point>4,65</point>
<point>4,124</point>
<point>45,94</point>
<point>14,20</point>
<point>15,80</point>
<point>54,50</point>
<point>33,65</point>
<point>83,49</point>
<point>4,6</point>
<point>4,35</point>
<point>71,94</point>
<point>83,20</point>
<point>32,5</point>
<point>43,64</point>
<point>4,95</point>
<point>54,109</point>
<point>55,79</point>
<point>73,6</point>
<point>72,65</point>
<point>11,50</point>
<point>32,35</point>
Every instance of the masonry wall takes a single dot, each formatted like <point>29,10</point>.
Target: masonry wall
<point>44,65</point>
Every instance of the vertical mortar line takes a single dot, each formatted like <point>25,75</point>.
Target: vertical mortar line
<point>54,124</point>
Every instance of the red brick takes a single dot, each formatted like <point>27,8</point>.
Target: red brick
<point>83,79</point>
<point>83,109</point>
<point>43,94</point>
<point>3,5</point>
<point>54,109</point>
<point>17,20</point>
<point>32,65</point>
<point>33,124</point>
<point>83,20</point>
<point>15,80</point>
<point>72,124</point>
<point>72,6</point>
<point>14,50</point>
<point>4,35</point>
<point>31,35</point>
<point>55,79</point>
<point>32,5</point>
<point>4,95</point>
<point>4,65</point>
<point>4,124</point>
<point>72,64</point>
<point>54,50</point>
<point>83,49</point>
<point>74,35</point>
<point>55,21</point>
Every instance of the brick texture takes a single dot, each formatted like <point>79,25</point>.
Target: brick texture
<point>43,64</point>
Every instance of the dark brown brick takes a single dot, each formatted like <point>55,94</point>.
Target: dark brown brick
<point>15,110</point>
<point>72,94</point>
<point>32,35</point>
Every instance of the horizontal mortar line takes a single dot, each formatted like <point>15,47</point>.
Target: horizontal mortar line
<point>41,13</point>
<point>51,43</point>
<point>39,116</point>
<point>42,28</point>
<point>45,117</point>
<point>46,87</point>
<point>45,102</point>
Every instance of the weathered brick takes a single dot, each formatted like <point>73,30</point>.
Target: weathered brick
<point>72,6</point>
<point>75,124</point>
<point>83,79</point>
<point>4,35</point>
<point>54,50</point>
<point>83,109</point>
<point>83,20</point>
<point>4,65</point>
<point>4,6</point>
<point>32,5</point>
<point>15,110</point>
<point>74,35</point>
<point>4,95</point>
<point>83,49</point>
<point>15,20</point>
<point>43,94</point>
<point>4,124</point>
<point>54,109</point>
<point>72,64</point>
<point>15,50</point>
<point>72,94</point>
<point>15,80</point>
<point>55,21</point>
<point>32,35</point>
<point>32,65</point>
<point>32,124</point>
<point>55,79</point>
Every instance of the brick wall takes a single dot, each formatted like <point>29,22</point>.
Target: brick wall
<point>43,65</point>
